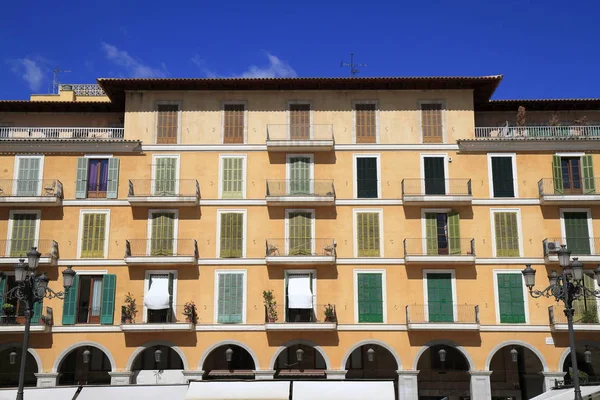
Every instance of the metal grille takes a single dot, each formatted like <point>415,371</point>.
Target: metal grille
<point>167,124</point>
<point>233,124</point>
<point>431,123</point>
<point>88,89</point>
<point>366,125</point>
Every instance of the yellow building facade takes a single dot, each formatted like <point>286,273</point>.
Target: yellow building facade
<point>389,220</point>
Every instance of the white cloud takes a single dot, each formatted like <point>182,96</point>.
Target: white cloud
<point>276,68</point>
<point>200,63</point>
<point>31,72</point>
<point>134,67</point>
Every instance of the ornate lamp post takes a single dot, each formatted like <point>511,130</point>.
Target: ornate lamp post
<point>30,289</point>
<point>565,287</point>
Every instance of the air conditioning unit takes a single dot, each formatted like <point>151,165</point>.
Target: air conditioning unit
<point>551,247</point>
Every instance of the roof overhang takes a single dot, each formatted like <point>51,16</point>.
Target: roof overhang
<point>539,105</point>
<point>528,145</point>
<point>59,106</point>
<point>69,146</point>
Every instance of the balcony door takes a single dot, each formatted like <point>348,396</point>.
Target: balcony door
<point>299,121</point>
<point>435,179</point>
<point>28,178</point>
<point>576,232</point>
<point>300,240</point>
<point>299,170</point>
<point>90,299</point>
<point>300,298</point>
<point>439,297</point>
<point>163,234</point>
<point>165,176</point>
<point>571,175</point>
<point>442,233</point>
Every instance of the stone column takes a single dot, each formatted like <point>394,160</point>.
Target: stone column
<point>335,374</point>
<point>120,377</point>
<point>408,388</point>
<point>192,375</point>
<point>550,379</point>
<point>47,379</point>
<point>481,387</point>
<point>264,374</point>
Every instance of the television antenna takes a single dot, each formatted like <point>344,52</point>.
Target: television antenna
<point>353,66</point>
<point>55,82</point>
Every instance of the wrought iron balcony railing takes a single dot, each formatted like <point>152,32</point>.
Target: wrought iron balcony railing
<point>300,187</point>
<point>319,313</point>
<point>582,187</point>
<point>52,133</point>
<point>314,132</point>
<point>439,246</point>
<point>292,247</point>
<point>585,313</point>
<point>31,188</point>
<point>18,248</point>
<point>537,132</point>
<point>161,248</point>
<point>171,315</point>
<point>164,188</point>
<point>436,187</point>
<point>442,313</point>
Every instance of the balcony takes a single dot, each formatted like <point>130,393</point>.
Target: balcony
<point>159,193</point>
<point>31,192</point>
<point>319,318</point>
<point>300,251</point>
<point>305,192</point>
<point>556,192</point>
<point>311,138</point>
<point>587,249</point>
<point>161,251</point>
<point>11,323</point>
<point>443,317</point>
<point>440,192</point>
<point>439,250</point>
<point>584,320</point>
<point>12,250</point>
<point>157,321</point>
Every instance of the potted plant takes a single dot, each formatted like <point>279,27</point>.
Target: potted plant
<point>330,315</point>
<point>521,121</point>
<point>270,306</point>
<point>580,124</point>
<point>9,313</point>
<point>589,316</point>
<point>189,310</point>
<point>129,309</point>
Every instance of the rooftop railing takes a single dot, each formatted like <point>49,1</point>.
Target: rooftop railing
<point>52,133</point>
<point>84,89</point>
<point>300,187</point>
<point>537,132</point>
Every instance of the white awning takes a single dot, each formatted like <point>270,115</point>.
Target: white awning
<point>137,392</point>
<point>63,393</point>
<point>343,390</point>
<point>567,394</point>
<point>252,390</point>
<point>157,297</point>
<point>299,294</point>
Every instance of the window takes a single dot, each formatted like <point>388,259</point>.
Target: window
<point>368,231</point>
<point>93,232</point>
<point>573,175</point>
<point>510,300</point>
<point>231,294</point>
<point>234,126</point>
<point>586,307</point>
<point>300,121</point>
<point>367,177</point>
<point>167,123</point>
<point>158,300</point>
<point>577,231</point>
<point>28,175</point>
<point>231,234</point>
<point>300,232</point>
<point>365,122</point>
<point>370,296</point>
<point>162,235</point>
<point>442,231</point>
<point>97,178</point>
<point>503,175</point>
<point>232,177</point>
<point>506,233</point>
<point>166,176</point>
<point>300,170</point>
<point>440,299</point>
<point>434,175</point>
<point>16,315</point>
<point>23,233</point>
<point>91,300</point>
<point>432,126</point>
<point>300,296</point>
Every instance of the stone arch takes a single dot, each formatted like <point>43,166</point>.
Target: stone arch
<point>68,350</point>
<point>305,343</point>
<point>566,352</point>
<point>31,351</point>
<point>146,345</point>
<point>450,343</point>
<point>370,341</point>
<point>533,349</point>
<point>223,343</point>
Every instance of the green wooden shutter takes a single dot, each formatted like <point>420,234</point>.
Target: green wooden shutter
<point>510,297</point>
<point>454,233</point>
<point>366,176</point>
<point>368,234</point>
<point>232,178</point>
<point>70,303</point>
<point>370,297</point>
<point>439,297</point>
<point>502,177</point>
<point>557,175</point>
<point>170,312</point>
<point>586,307</point>
<point>163,234</point>
<point>37,312</point>
<point>231,235</point>
<point>299,175</point>
<point>93,238</point>
<point>107,309</point>
<point>589,183</point>
<point>576,230</point>
<point>435,178</point>
<point>165,174</point>
<point>230,301</point>
<point>2,293</point>
<point>431,233</point>
<point>113,178</point>
<point>28,182</point>
<point>507,234</point>
<point>300,233</point>
<point>23,234</point>
<point>82,178</point>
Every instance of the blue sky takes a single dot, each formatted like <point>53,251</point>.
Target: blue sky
<point>544,48</point>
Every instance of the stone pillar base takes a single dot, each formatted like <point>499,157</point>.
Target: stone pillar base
<point>264,374</point>
<point>335,374</point>
<point>550,379</point>
<point>192,375</point>
<point>481,387</point>
<point>47,379</point>
<point>120,378</point>
<point>408,388</point>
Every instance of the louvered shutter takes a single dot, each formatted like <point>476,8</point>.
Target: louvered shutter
<point>510,296</point>
<point>300,233</point>
<point>231,235</point>
<point>23,234</point>
<point>366,174</point>
<point>28,182</point>
<point>70,303</point>
<point>107,310</point>
<point>439,298</point>
<point>454,233</point>
<point>507,236</point>
<point>502,177</point>
<point>589,183</point>
<point>431,233</point>
<point>93,238</point>
<point>38,306</point>
<point>233,123</point>
<point>113,178</point>
<point>300,121</point>
<point>300,176</point>
<point>365,123</point>
<point>82,178</point>
<point>2,293</point>
<point>370,297</point>
<point>230,301</point>
<point>368,234</point>
<point>557,176</point>
<point>576,230</point>
<point>165,174</point>
<point>170,312</point>
<point>232,178</point>
<point>163,234</point>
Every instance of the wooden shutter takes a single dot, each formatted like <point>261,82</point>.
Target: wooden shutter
<point>167,124</point>
<point>366,123</point>
<point>231,235</point>
<point>170,312</point>
<point>586,307</point>
<point>107,309</point>
<point>439,297</point>
<point>230,303</point>
<point>2,293</point>
<point>163,234</point>
<point>431,123</point>
<point>435,179</point>
<point>82,178</point>
<point>165,176</point>
<point>38,306</point>
<point>502,177</point>
<point>232,178</point>
<point>366,177</point>
<point>300,233</point>
<point>370,297</point>
<point>28,181</point>
<point>557,176</point>
<point>93,238</point>
<point>431,233</point>
<point>23,234</point>
<point>507,234</point>
<point>368,234</point>
<point>233,123</point>
<point>510,298</point>
<point>589,183</point>
<point>576,230</point>
<point>300,121</point>
<point>113,178</point>
<point>454,233</point>
<point>300,175</point>
<point>70,303</point>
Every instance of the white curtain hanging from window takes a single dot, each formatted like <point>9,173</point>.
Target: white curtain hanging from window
<point>299,293</point>
<point>96,297</point>
<point>157,297</point>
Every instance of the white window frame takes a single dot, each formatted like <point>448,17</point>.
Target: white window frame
<point>452,273</point>
<point>311,113</point>
<point>356,211</point>
<point>433,101</point>
<point>383,293</point>
<point>175,228</point>
<point>178,103</point>
<point>18,159</point>
<point>287,273</point>
<point>422,157</point>
<point>219,272</point>
<point>355,156</point>
<point>513,157</point>
<point>147,287</point>
<point>155,157</point>
<point>244,212</point>
<point>519,228</point>
<point>234,103</point>
<point>244,158</point>
<point>497,298</point>
<point>563,230</point>
<point>311,169</point>
<point>106,231</point>
<point>377,120</point>
<point>287,227</point>
<point>11,219</point>
<point>424,223</point>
